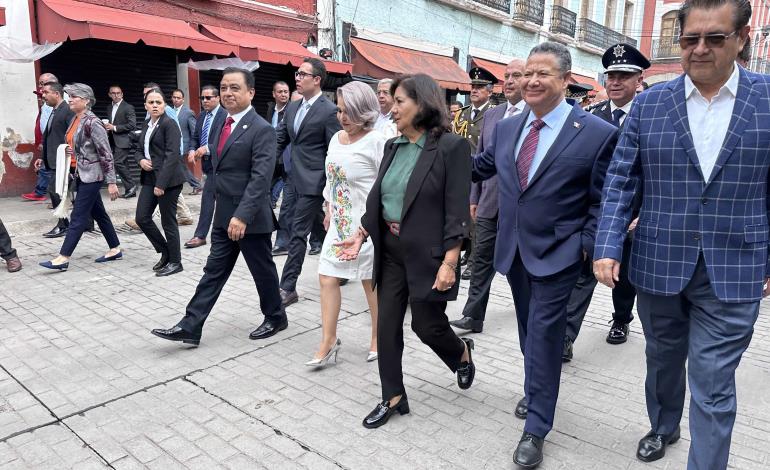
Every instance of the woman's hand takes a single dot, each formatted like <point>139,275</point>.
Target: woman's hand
<point>145,164</point>
<point>158,192</point>
<point>350,247</point>
<point>327,219</point>
<point>112,188</point>
<point>445,278</point>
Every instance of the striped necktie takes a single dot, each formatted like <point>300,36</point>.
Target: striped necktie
<point>205,131</point>
<point>527,152</point>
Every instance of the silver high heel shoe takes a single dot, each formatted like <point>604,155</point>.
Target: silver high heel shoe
<point>372,356</point>
<point>324,361</point>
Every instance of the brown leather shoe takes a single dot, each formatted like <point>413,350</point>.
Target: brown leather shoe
<point>195,242</point>
<point>184,220</point>
<point>13,264</point>
<point>134,226</point>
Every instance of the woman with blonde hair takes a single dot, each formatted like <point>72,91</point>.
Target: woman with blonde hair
<point>352,164</point>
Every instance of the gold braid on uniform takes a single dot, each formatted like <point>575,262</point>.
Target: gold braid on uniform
<point>460,129</point>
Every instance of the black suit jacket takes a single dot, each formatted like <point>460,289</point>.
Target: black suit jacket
<point>309,144</point>
<point>195,139</point>
<point>55,133</point>
<point>124,122</point>
<point>435,215</point>
<point>242,174</point>
<point>167,169</point>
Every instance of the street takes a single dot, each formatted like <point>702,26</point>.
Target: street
<point>83,383</point>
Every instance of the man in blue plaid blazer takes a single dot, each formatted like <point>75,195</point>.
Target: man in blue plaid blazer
<point>698,147</point>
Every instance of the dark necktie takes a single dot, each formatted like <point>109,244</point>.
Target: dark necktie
<point>224,135</point>
<point>617,114</point>
<point>204,140</point>
<point>473,113</point>
<point>527,152</point>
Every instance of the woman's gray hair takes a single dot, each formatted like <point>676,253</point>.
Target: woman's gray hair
<point>563,57</point>
<point>361,104</point>
<point>81,90</point>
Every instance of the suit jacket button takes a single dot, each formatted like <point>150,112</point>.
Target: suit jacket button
<point>521,202</point>
<point>704,201</point>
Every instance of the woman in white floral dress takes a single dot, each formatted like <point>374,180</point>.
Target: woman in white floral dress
<point>352,164</point>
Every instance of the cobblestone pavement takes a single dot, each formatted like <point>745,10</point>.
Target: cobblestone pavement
<point>83,384</point>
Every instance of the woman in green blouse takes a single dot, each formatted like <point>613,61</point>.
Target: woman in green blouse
<point>417,216</point>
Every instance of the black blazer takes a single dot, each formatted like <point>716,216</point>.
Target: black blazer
<point>167,169</point>
<point>309,144</point>
<point>195,139</point>
<point>242,174</point>
<point>435,216</point>
<point>125,124</point>
<point>55,133</point>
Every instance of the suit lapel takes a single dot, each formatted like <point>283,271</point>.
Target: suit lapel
<point>289,116</point>
<point>309,113</point>
<point>676,106</point>
<point>421,169</point>
<point>572,127</point>
<point>743,113</point>
<point>237,130</point>
<point>519,129</point>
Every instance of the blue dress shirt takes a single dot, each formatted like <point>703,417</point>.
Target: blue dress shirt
<point>554,121</point>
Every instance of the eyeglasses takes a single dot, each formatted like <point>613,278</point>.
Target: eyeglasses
<point>206,98</point>
<point>302,75</point>
<point>712,40</point>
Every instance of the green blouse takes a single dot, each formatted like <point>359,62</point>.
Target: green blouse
<point>394,182</point>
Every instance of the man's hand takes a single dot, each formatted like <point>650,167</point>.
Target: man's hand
<point>607,271</point>
<point>112,188</point>
<point>474,207</point>
<point>158,192</point>
<point>38,164</point>
<point>109,126</point>
<point>237,229</point>
<point>145,164</point>
<point>201,151</point>
<point>766,290</point>
<point>191,156</point>
<point>633,224</point>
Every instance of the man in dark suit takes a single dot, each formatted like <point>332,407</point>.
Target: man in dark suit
<point>122,122</point>
<point>550,176</point>
<point>697,147</point>
<point>484,208</point>
<point>187,121</point>
<point>213,115</point>
<point>53,136</point>
<point>275,112</point>
<point>308,126</point>
<point>243,156</point>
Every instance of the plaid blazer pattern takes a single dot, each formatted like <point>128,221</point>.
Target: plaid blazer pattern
<point>681,215</point>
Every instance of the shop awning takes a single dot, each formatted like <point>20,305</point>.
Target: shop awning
<point>272,50</point>
<point>383,61</point>
<point>2,16</point>
<point>495,68</point>
<point>577,78</point>
<point>59,20</point>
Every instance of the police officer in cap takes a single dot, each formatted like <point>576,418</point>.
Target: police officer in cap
<point>624,66</point>
<point>578,92</point>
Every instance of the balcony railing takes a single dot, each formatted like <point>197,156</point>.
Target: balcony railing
<point>529,10</point>
<point>563,21</point>
<point>500,5</point>
<point>665,48</point>
<point>599,35</point>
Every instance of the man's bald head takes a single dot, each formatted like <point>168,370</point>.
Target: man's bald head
<point>513,72</point>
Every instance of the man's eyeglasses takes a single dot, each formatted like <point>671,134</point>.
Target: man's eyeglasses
<point>712,40</point>
<point>302,75</point>
<point>207,98</point>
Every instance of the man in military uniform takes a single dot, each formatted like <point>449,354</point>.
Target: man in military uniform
<point>578,93</point>
<point>467,123</point>
<point>624,66</point>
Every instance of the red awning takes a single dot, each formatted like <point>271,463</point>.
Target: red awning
<point>382,61</point>
<point>59,20</point>
<point>495,68</point>
<point>272,50</point>
<point>2,16</point>
<point>577,78</point>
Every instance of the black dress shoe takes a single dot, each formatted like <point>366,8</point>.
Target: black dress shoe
<point>618,333</point>
<point>566,353</point>
<point>269,327</point>
<point>381,414</point>
<point>280,251</point>
<point>468,323</point>
<point>529,452</point>
<point>467,370</point>
<point>176,333</point>
<point>653,446</point>
<point>160,264</point>
<point>288,298</point>
<point>130,193</point>
<point>467,274</point>
<point>169,269</point>
<point>314,250</point>
<point>521,409</point>
<point>56,232</point>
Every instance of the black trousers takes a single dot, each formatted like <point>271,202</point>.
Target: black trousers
<point>122,166</point>
<point>307,210</point>
<point>88,207</point>
<point>429,322</point>
<point>208,204</point>
<point>6,248</point>
<point>145,206</point>
<point>623,295</point>
<point>222,258</point>
<point>483,269</point>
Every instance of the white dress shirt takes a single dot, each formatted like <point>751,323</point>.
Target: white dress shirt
<point>150,128</point>
<point>626,109</point>
<point>709,120</point>
<point>514,109</point>
<point>236,118</point>
<point>115,107</point>
<point>306,105</point>
<point>554,121</point>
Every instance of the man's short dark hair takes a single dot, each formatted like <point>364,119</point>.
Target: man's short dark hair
<point>248,77</point>
<point>456,103</point>
<point>280,83</point>
<point>319,69</point>
<point>56,87</point>
<point>745,54</point>
<point>115,86</point>
<point>177,89</point>
<point>742,10</point>
<point>214,90</point>
<point>151,85</point>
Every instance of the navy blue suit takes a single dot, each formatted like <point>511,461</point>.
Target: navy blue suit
<point>548,227</point>
<point>700,253</point>
<point>207,198</point>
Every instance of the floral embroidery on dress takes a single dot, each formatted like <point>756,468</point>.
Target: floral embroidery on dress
<point>341,206</point>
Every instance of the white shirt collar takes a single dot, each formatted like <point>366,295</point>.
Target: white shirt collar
<point>626,107</point>
<point>117,104</point>
<point>278,110</point>
<point>312,100</point>
<point>237,117</point>
<point>519,106</point>
<point>214,111</point>
<point>731,85</point>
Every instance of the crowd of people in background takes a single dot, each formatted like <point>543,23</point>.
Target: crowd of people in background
<point>659,193</point>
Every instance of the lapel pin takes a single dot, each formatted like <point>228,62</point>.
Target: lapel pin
<point>245,126</point>
<point>576,124</point>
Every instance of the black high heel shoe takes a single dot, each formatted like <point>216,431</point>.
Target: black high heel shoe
<point>381,414</point>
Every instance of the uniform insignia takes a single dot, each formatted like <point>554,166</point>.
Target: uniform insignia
<point>245,126</point>
<point>619,50</point>
<point>576,125</point>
